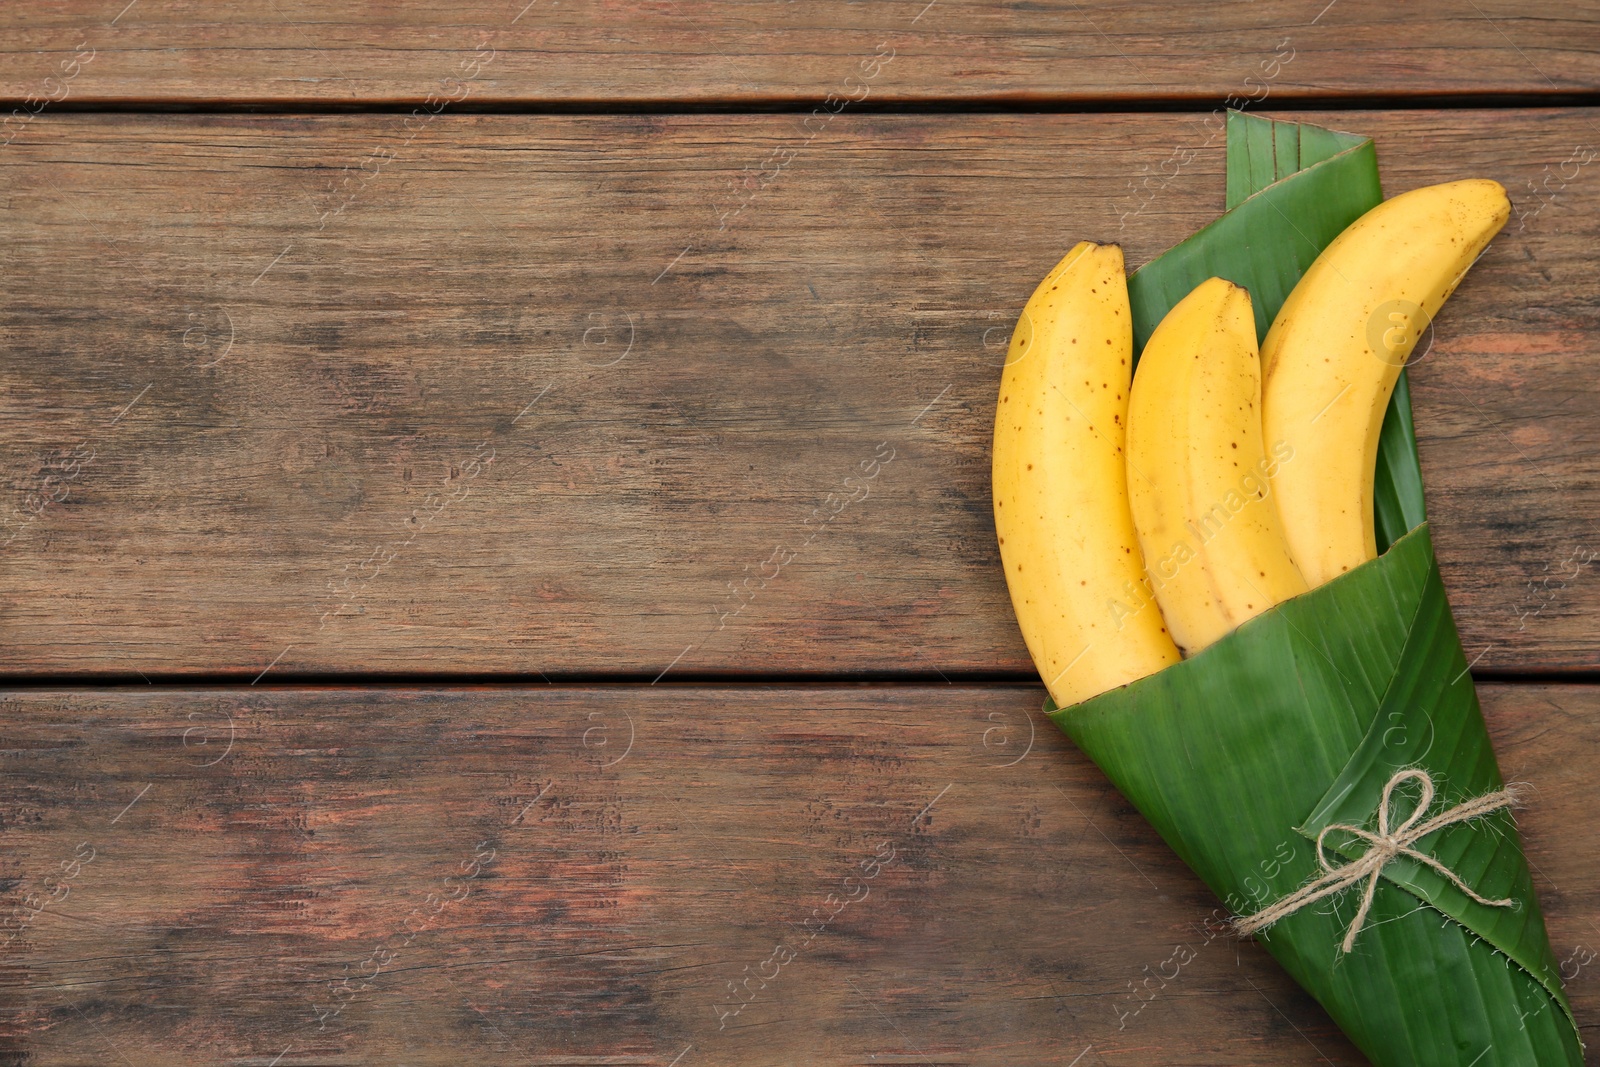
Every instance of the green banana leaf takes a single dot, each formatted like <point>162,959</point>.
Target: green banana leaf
<point>1239,756</point>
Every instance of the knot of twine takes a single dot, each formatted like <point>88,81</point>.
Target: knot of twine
<point>1383,847</point>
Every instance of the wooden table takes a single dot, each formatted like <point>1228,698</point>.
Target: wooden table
<point>426,635</point>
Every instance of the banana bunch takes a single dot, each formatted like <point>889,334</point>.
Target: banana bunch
<point>1145,515</point>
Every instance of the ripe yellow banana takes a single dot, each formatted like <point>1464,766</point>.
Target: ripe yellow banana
<point>1335,351</point>
<point>1060,488</point>
<point>1198,474</point>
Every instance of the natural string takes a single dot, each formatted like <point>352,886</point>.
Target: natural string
<point>1384,846</point>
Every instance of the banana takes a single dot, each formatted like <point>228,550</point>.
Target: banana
<point>1336,348</point>
<point>1198,474</point>
<point>1060,487</point>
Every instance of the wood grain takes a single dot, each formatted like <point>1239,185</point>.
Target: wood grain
<point>546,395</point>
<point>748,52</point>
<point>252,848</point>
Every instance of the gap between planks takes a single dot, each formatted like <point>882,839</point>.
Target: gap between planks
<point>1000,104</point>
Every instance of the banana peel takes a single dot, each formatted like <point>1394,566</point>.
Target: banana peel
<point>1240,755</point>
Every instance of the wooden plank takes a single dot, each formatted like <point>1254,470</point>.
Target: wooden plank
<point>289,52</point>
<point>560,875</point>
<point>544,395</point>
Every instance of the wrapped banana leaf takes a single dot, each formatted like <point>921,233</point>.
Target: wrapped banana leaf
<point>1276,760</point>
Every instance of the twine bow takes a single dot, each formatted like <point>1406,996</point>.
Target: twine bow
<point>1383,847</point>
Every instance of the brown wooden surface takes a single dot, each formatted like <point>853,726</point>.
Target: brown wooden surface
<point>252,847</point>
<point>515,403</point>
<point>319,397</point>
<point>753,51</point>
